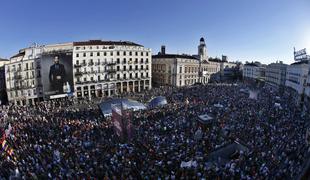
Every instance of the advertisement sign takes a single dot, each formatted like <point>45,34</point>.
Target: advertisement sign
<point>300,55</point>
<point>57,75</point>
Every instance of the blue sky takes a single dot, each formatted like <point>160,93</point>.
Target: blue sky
<point>262,30</point>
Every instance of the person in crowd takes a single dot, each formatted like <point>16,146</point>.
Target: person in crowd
<point>71,139</point>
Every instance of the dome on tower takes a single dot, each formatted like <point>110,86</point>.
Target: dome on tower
<point>202,39</point>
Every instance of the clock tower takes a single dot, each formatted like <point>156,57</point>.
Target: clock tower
<point>202,50</point>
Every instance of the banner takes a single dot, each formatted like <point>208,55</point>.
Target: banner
<point>128,114</point>
<point>57,73</point>
<point>117,120</point>
<point>122,121</point>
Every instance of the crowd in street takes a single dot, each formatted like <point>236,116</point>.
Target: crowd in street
<point>71,139</point>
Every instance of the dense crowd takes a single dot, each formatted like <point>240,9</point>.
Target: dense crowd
<point>72,139</point>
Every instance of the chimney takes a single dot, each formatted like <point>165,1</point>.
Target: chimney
<point>163,50</point>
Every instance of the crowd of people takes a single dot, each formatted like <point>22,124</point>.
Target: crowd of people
<point>69,138</point>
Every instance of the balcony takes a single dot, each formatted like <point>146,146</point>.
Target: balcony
<point>78,73</point>
<point>18,77</point>
<point>111,63</point>
<point>83,64</point>
<point>90,63</point>
<point>77,65</point>
<point>110,71</point>
<point>97,63</point>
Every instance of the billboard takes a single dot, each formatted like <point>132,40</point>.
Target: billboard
<point>57,73</point>
<point>300,55</point>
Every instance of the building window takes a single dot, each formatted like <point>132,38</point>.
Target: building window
<point>84,54</point>
<point>124,53</point>
<point>117,53</point>
<point>98,53</point>
<point>105,54</point>
<point>124,68</point>
<point>124,60</point>
<point>117,60</point>
<point>141,53</point>
<point>136,53</point>
<point>111,53</point>
<point>124,76</point>
<point>130,67</point>
<point>77,54</point>
<point>130,53</point>
<point>77,62</point>
<point>180,70</point>
<point>91,54</point>
<point>117,68</point>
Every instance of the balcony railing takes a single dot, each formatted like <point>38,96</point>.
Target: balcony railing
<point>90,64</point>
<point>111,63</point>
<point>78,73</point>
<point>111,71</point>
<point>77,65</point>
<point>18,77</point>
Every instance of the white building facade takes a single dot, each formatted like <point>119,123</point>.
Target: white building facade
<point>99,68</point>
<point>175,70</point>
<point>105,68</point>
<point>296,80</point>
<point>276,74</point>
<point>251,71</point>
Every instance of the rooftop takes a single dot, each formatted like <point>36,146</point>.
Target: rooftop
<point>1,59</point>
<point>184,56</point>
<point>251,64</point>
<point>300,62</point>
<point>100,42</point>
